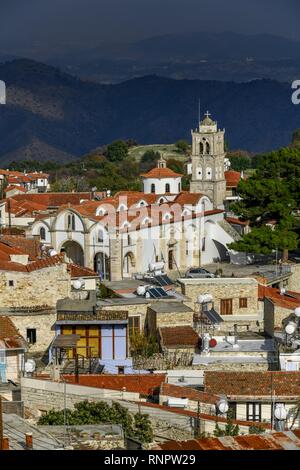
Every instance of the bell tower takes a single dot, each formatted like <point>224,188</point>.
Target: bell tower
<point>208,153</point>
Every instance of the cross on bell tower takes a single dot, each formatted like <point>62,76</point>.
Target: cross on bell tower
<point>208,153</point>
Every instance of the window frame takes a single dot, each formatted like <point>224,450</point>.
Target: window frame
<point>252,415</point>
<point>243,302</point>
<point>224,307</point>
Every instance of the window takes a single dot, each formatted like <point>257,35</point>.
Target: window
<point>226,307</point>
<point>243,302</point>
<point>134,325</point>
<point>42,233</point>
<point>187,248</point>
<point>203,243</point>
<point>232,410</point>
<point>31,335</point>
<point>71,222</point>
<point>254,412</point>
<point>152,188</point>
<point>128,240</point>
<point>100,236</point>
<point>179,187</point>
<point>167,188</point>
<point>11,283</point>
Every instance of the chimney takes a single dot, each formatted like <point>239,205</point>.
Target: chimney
<point>28,441</point>
<point>5,443</point>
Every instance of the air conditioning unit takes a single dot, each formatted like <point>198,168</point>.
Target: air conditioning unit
<point>178,402</point>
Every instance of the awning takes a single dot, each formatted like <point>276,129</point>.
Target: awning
<point>65,341</point>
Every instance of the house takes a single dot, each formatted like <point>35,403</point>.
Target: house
<point>235,302</point>
<point>253,396</point>
<point>12,351</point>
<point>179,339</point>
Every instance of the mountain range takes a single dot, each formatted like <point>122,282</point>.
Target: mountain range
<point>52,115</point>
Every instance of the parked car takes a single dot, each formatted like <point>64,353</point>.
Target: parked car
<point>198,273</point>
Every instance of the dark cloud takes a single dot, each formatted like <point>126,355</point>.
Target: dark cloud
<point>83,21</point>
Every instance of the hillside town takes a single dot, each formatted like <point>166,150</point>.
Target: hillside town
<point>138,308</point>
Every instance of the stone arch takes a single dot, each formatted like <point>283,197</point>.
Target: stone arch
<point>102,265</point>
<point>129,263</point>
<point>73,252</point>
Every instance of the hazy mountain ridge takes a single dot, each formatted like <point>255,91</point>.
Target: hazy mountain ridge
<point>49,111</point>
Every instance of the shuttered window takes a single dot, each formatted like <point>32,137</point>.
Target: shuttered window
<point>226,307</point>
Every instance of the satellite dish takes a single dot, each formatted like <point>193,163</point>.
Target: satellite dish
<point>280,412</point>
<point>141,290</point>
<point>30,366</point>
<point>43,247</point>
<point>77,284</point>
<point>222,406</point>
<point>52,253</point>
<point>282,291</point>
<point>297,312</point>
<point>290,328</point>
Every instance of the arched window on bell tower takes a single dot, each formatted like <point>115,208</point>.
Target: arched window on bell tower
<point>207,148</point>
<point>201,148</point>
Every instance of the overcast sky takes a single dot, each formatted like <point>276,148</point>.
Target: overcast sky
<point>119,20</point>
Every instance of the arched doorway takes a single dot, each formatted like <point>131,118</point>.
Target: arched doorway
<point>102,266</point>
<point>128,264</point>
<point>73,252</point>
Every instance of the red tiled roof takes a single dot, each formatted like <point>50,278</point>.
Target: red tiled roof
<point>176,391</point>
<point>80,271</point>
<point>37,175</point>
<point>179,336</point>
<point>144,384</point>
<point>235,221</point>
<point>269,441</point>
<point>55,199</point>
<point>160,173</point>
<point>9,334</point>
<point>6,265</point>
<point>18,188</point>
<point>290,300</point>
<point>253,384</point>
<point>31,246</point>
<point>186,198</point>
<point>232,178</point>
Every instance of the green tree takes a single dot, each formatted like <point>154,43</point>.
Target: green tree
<point>182,146</point>
<point>270,196</point>
<point>117,151</point>
<point>176,165</point>
<point>142,345</point>
<point>137,426</point>
<point>149,160</point>
<point>240,161</point>
<point>230,428</point>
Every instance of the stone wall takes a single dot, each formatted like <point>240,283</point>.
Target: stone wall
<point>224,288</point>
<point>294,280</point>
<point>42,321</point>
<point>37,288</point>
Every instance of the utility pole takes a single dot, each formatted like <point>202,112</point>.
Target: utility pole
<point>198,426</point>
<point>1,425</point>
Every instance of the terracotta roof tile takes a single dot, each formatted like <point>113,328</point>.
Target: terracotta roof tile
<point>80,271</point>
<point>145,384</point>
<point>271,441</point>
<point>252,384</point>
<point>160,173</point>
<point>9,334</point>
<point>179,336</point>
<point>290,300</point>
<point>232,178</point>
<point>176,391</point>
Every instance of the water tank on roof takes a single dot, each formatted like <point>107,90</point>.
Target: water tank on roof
<point>141,290</point>
<point>290,328</point>
<point>159,266</point>
<point>205,298</point>
<point>52,252</point>
<point>78,284</point>
<point>297,312</point>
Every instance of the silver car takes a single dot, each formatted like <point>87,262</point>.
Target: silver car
<point>198,273</point>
